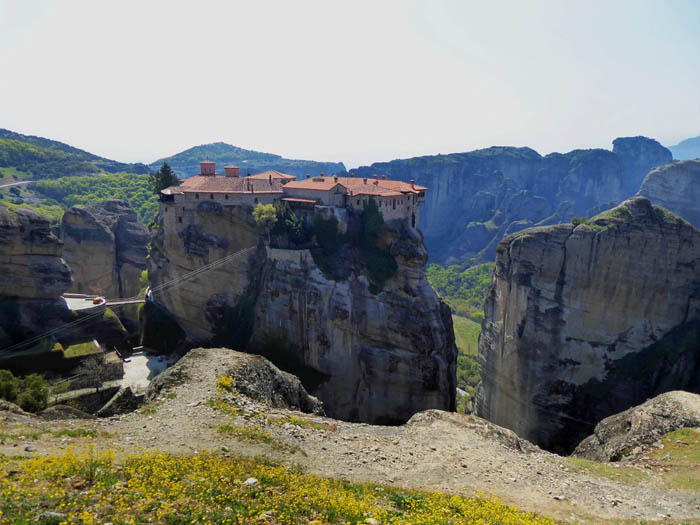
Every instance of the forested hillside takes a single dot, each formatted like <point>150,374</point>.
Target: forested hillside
<point>186,163</point>
<point>83,191</point>
<point>32,157</point>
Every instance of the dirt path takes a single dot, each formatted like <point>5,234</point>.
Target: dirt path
<point>435,450</point>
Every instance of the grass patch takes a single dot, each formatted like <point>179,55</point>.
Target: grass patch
<point>302,422</point>
<point>90,486</point>
<point>151,408</point>
<point>87,348</point>
<point>75,433</point>
<point>467,339</point>
<point>610,471</point>
<point>223,406</point>
<point>680,459</point>
<point>466,335</point>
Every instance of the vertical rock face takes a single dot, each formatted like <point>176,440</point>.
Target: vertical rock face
<point>375,357</point>
<point>33,279</point>
<point>676,187</point>
<point>586,321</point>
<point>638,156</point>
<point>105,246</point>
<point>30,257</point>
<point>477,198</point>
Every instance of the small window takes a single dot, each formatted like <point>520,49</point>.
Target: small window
<point>166,208</point>
<point>256,200</point>
<point>196,195</point>
<point>179,219</point>
<point>226,196</point>
<point>211,195</point>
<point>358,202</point>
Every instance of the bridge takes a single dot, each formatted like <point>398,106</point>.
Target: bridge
<point>94,303</point>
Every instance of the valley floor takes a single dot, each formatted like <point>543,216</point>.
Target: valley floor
<point>437,451</point>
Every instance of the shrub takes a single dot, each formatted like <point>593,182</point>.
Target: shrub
<point>9,386</point>
<point>30,393</point>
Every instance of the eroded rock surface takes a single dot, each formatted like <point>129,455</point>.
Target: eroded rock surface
<point>369,355</point>
<point>253,376</point>
<point>617,435</point>
<point>676,187</point>
<point>30,257</point>
<point>377,357</point>
<point>105,246</point>
<point>586,321</point>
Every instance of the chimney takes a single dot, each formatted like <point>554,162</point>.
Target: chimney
<point>365,179</point>
<point>232,171</point>
<point>206,168</point>
<point>413,183</point>
<point>383,177</point>
<point>308,176</point>
<point>374,176</point>
<point>269,179</point>
<point>376,182</point>
<point>321,175</point>
<point>335,178</point>
<point>352,175</point>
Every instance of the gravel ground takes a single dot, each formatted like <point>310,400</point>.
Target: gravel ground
<point>435,450</point>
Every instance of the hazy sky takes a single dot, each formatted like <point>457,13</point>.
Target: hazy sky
<point>355,81</point>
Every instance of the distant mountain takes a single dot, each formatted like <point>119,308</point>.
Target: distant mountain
<point>28,156</point>
<point>475,199</point>
<point>688,149</point>
<point>186,163</point>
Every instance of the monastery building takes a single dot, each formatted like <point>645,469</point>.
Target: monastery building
<point>334,195</point>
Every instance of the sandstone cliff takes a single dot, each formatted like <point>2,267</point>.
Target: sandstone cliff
<point>585,321</point>
<point>33,279</point>
<point>30,257</point>
<point>676,187</point>
<point>369,355</point>
<point>477,198</point>
<point>105,246</point>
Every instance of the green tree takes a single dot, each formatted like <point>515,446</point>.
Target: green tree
<point>265,217</point>
<point>163,178</point>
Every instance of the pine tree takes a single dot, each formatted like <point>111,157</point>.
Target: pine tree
<point>163,178</point>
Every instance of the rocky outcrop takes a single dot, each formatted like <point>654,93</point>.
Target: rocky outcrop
<point>33,279</point>
<point>585,321</point>
<point>30,257</point>
<point>477,198</point>
<point>616,436</point>
<point>105,246</point>
<point>253,376</point>
<point>676,187</point>
<point>368,354</point>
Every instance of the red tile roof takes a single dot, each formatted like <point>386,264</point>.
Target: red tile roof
<point>357,185</point>
<point>274,174</point>
<point>216,184</point>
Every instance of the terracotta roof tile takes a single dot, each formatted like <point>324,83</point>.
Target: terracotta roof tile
<point>355,183</point>
<point>216,184</point>
<point>274,174</point>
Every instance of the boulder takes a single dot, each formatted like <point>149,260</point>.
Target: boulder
<point>617,435</point>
